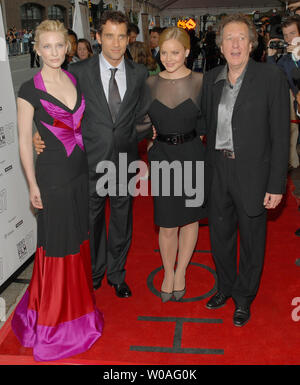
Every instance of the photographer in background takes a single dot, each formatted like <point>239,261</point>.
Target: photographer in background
<point>259,53</point>
<point>295,7</point>
<point>290,30</point>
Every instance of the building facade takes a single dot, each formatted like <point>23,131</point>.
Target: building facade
<point>24,14</point>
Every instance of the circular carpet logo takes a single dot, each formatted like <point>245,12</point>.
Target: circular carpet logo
<point>194,299</point>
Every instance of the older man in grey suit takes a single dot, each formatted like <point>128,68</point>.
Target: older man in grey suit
<point>246,113</point>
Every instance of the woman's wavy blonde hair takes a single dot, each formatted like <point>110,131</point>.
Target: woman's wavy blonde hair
<point>51,26</point>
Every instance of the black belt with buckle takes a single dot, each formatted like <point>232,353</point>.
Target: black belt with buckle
<point>177,138</point>
<point>228,154</point>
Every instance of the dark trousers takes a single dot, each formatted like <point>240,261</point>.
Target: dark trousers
<point>109,251</point>
<point>226,216</point>
<point>34,59</point>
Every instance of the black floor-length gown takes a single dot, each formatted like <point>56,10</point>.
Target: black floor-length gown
<point>57,316</point>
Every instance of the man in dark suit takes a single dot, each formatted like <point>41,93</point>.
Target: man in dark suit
<point>290,30</point>
<point>289,64</point>
<point>133,32</point>
<point>111,86</point>
<point>154,45</point>
<point>246,112</point>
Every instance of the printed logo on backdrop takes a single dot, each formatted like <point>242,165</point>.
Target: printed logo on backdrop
<point>3,200</point>
<point>22,249</point>
<point>7,135</point>
<point>19,223</point>
<point>25,246</point>
<point>9,131</point>
<point>8,168</point>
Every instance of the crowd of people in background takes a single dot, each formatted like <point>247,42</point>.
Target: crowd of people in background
<point>18,42</point>
<point>204,54</point>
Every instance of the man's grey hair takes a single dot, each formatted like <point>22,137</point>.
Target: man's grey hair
<point>237,18</point>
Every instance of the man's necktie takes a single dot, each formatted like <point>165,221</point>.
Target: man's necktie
<point>114,99</point>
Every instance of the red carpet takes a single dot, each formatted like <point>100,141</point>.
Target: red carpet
<point>141,330</point>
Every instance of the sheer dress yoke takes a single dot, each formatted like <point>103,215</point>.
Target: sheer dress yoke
<point>173,107</point>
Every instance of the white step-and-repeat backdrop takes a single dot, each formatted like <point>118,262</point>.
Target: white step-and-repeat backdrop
<point>17,222</point>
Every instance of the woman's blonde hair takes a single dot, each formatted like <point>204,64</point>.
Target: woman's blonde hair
<point>51,26</point>
<point>176,33</point>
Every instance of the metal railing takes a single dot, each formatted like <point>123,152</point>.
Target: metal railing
<point>18,47</point>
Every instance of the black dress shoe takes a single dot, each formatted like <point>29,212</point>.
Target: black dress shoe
<point>122,289</point>
<point>217,301</point>
<point>241,315</point>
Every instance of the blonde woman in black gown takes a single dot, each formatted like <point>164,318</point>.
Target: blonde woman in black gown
<point>57,316</point>
<point>172,102</point>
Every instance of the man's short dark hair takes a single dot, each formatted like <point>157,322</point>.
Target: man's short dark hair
<point>116,17</point>
<point>133,28</point>
<point>291,20</point>
<point>156,29</point>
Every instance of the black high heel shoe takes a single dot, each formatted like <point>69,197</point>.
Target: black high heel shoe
<point>178,294</point>
<point>165,297</point>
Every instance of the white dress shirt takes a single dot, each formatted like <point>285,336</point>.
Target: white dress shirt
<point>106,74</point>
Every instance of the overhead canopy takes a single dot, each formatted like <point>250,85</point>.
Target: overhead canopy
<point>185,4</point>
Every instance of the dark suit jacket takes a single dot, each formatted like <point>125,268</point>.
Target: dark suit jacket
<point>103,139</point>
<point>128,54</point>
<point>158,61</point>
<point>260,127</point>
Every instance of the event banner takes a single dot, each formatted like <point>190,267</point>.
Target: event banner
<point>17,222</point>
